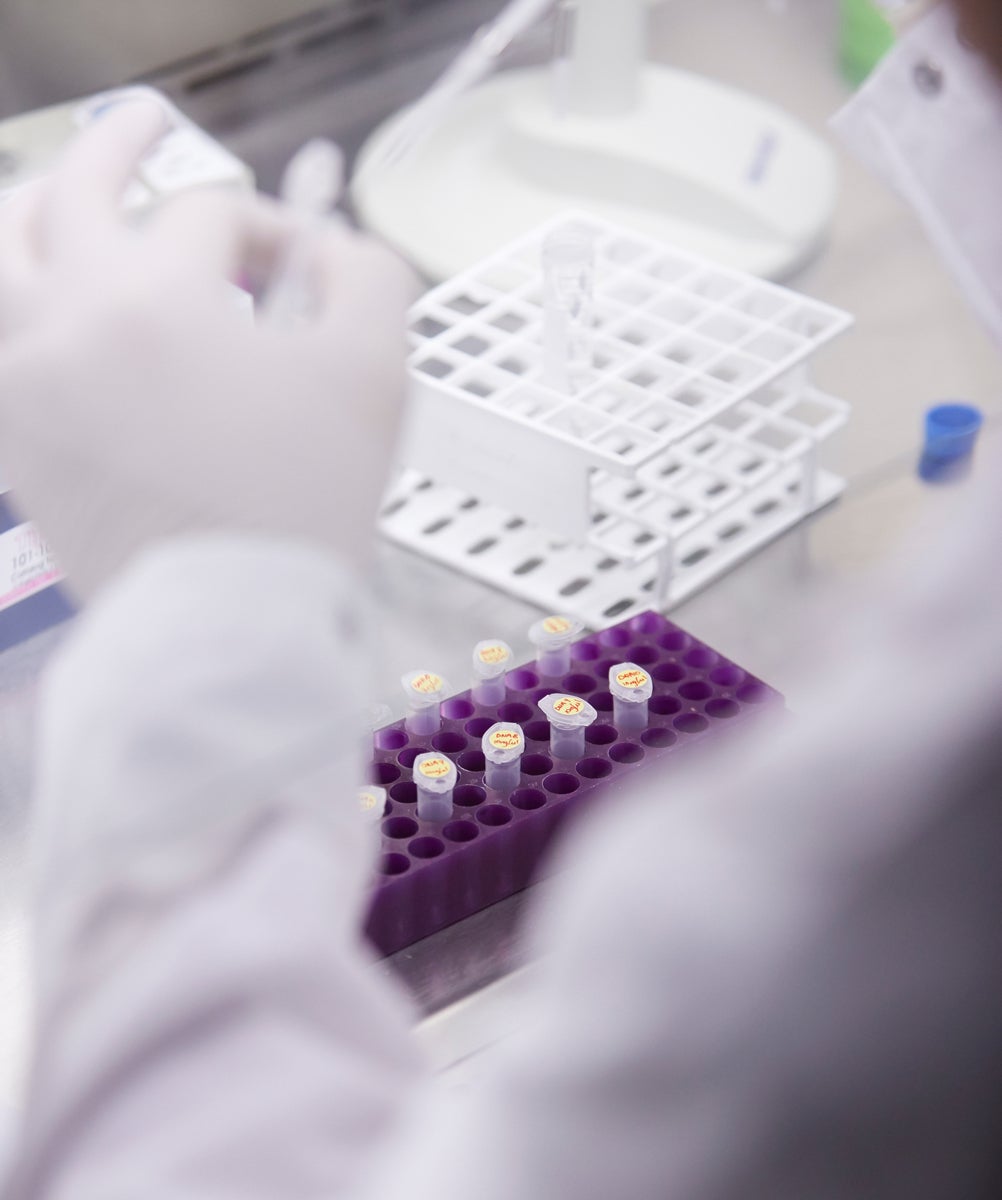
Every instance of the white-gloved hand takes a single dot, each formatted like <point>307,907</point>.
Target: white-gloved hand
<point>137,402</point>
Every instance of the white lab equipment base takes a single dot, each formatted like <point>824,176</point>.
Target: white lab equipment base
<point>694,442</point>
<point>693,164</point>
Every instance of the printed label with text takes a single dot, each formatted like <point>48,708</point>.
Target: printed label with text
<point>26,564</point>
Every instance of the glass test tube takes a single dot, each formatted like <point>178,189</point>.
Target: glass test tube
<point>568,296</point>
<point>503,745</point>
<point>569,717</point>
<point>552,637</point>
<point>435,777</point>
<point>424,691</point>
<point>491,660</point>
<point>631,689</point>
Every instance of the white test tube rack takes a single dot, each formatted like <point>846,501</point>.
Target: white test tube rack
<point>695,443</point>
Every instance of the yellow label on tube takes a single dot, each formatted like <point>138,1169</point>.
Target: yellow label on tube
<point>427,684</point>
<point>435,768</point>
<point>632,678</point>
<point>506,739</point>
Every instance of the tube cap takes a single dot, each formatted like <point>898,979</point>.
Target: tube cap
<point>951,431</point>
<point>630,683</point>
<point>423,688</point>
<point>567,712</point>
<point>503,743</point>
<point>372,804</point>
<point>491,658</point>
<point>554,632</point>
<point>435,773</point>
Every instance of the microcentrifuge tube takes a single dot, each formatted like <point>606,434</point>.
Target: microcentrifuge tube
<point>424,691</point>
<point>631,689</point>
<point>435,777</point>
<point>372,804</point>
<point>503,745</point>
<point>568,292</point>
<point>552,638</point>
<point>490,662</point>
<point>569,716</point>
<point>374,718</point>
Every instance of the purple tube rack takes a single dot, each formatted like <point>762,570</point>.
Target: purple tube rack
<point>433,874</point>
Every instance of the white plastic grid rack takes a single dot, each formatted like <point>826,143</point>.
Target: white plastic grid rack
<point>694,442</point>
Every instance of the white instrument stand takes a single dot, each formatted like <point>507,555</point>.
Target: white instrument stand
<point>677,156</point>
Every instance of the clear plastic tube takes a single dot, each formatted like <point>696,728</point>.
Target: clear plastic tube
<point>435,778</point>
<point>503,745</point>
<point>568,310</point>
<point>567,743</point>
<point>552,637</point>
<point>425,692</point>
<point>569,717</point>
<point>372,805</point>
<point>631,689</point>
<point>491,660</point>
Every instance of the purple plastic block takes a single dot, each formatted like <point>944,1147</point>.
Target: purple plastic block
<point>433,874</point>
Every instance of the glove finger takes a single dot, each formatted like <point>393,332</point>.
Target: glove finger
<point>19,240</point>
<point>356,338</point>
<point>356,280</point>
<point>19,253</point>
<point>222,235</point>
<point>82,207</point>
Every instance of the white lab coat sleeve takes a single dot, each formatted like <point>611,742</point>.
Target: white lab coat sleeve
<point>208,1022</point>
<point>761,981</point>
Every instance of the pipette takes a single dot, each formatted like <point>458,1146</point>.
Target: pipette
<point>569,717</point>
<point>425,692</point>
<point>503,745</point>
<point>434,777</point>
<point>311,186</point>
<point>631,689</point>
<point>474,62</point>
<point>552,637</point>
<point>491,660</point>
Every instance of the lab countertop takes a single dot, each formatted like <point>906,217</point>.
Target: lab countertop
<point>915,342</point>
